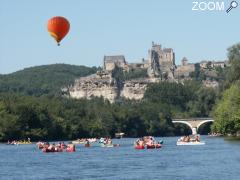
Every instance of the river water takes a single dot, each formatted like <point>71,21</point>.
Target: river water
<point>218,159</point>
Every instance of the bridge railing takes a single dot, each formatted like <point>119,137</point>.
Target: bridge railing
<point>193,119</point>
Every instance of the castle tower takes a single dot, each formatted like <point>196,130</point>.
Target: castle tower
<point>162,62</point>
<point>184,61</point>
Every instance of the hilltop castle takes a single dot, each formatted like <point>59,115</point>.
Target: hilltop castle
<point>159,66</point>
<point>160,62</point>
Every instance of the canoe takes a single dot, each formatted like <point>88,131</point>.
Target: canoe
<point>92,140</point>
<point>109,145</point>
<point>78,142</point>
<point>179,143</point>
<point>51,150</point>
<point>157,146</point>
<point>24,143</point>
<point>139,147</point>
<point>70,150</point>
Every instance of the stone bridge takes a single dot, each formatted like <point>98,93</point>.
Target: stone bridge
<point>193,123</point>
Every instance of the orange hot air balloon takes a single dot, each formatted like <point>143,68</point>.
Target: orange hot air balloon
<point>58,28</point>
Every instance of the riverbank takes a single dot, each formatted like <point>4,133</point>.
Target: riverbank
<point>232,138</point>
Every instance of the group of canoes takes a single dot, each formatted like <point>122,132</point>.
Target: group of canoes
<point>148,142</point>
<point>107,142</point>
<point>84,140</point>
<point>215,134</point>
<point>60,147</point>
<point>103,142</point>
<point>15,142</point>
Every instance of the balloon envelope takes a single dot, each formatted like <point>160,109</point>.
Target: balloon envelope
<point>58,28</point>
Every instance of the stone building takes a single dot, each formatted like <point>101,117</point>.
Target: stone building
<point>162,62</point>
<point>110,62</point>
<point>203,64</point>
<point>184,70</point>
<point>221,64</point>
<point>144,64</point>
<point>210,83</point>
<point>212,64</point>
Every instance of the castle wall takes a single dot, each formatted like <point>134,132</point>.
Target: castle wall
<point>109,66</point>
<point>184,70</point>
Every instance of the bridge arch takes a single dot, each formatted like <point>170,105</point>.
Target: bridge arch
<point>186,123</point>
<point>203,122</point>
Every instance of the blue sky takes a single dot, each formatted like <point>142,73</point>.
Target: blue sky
<point>111,27</point>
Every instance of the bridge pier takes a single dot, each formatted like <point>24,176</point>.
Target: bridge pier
<point>194,131</point>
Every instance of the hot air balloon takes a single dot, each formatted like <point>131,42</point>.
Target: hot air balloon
<point>58,28</point>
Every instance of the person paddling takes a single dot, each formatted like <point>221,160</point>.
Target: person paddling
<point>197,139</point>
<point>87,143</point>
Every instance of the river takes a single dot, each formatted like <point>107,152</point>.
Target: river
<point>218,159</point>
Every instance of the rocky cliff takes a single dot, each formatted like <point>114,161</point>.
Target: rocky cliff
<point>107,87</point>
<point>94,85</point>
<point>134,89</point>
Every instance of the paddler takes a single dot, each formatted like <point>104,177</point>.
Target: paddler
<point>87,143</point>
<point>197,139</point>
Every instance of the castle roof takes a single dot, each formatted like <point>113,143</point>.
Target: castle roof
<point>114,59</point>
<point>214,62</point>
<point>219,62</point>
<point>167,50</point>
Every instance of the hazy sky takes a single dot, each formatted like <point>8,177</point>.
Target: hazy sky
<point>112,27</point>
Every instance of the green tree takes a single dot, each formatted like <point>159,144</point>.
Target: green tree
<point>234,60</point>
<point>227,111</point>
<point>203,104</point>
<point>42,80</point>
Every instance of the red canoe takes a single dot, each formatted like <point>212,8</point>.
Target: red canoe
<point>51,150</point>
<point>139,147</point>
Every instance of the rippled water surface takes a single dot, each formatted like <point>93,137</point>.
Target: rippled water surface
<point>218,159</point>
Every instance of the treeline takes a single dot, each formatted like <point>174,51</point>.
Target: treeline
<point>50,117</point>
<point>42,80</point>
<point>227,110</point>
